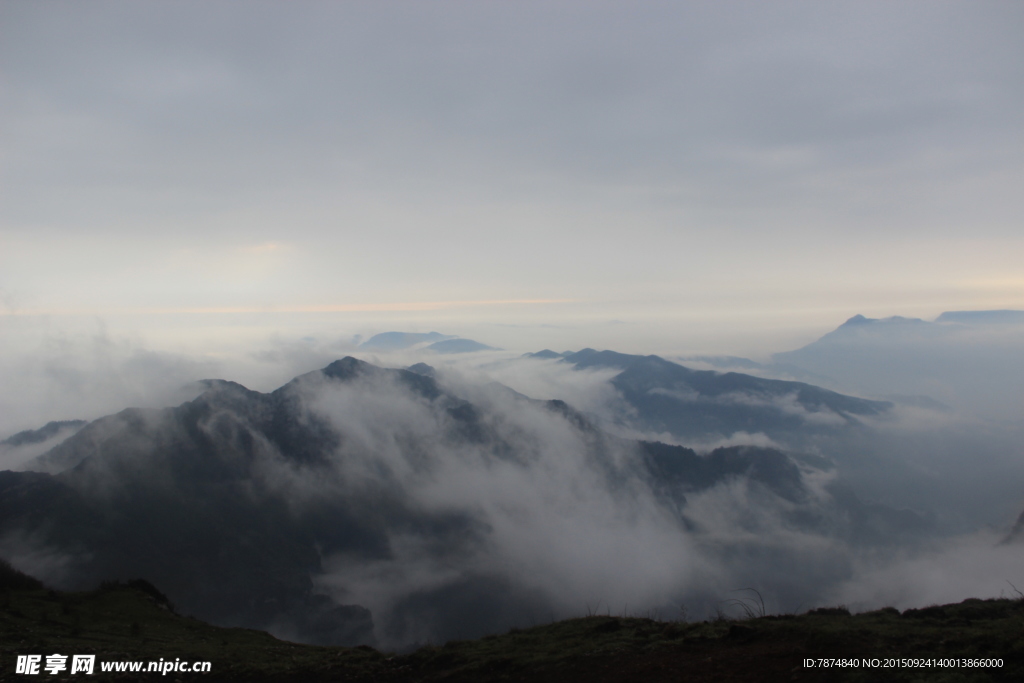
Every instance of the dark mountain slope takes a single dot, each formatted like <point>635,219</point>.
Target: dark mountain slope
<point>187,497</point>
<point>47,431</point>
<point>231,501</point>
<point>676,467</point>
<point>250,508</point>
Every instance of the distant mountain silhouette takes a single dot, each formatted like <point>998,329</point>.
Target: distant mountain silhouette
<point>970,360</point>
<point>983,317</point>
<point>731,362</point>
<point>670,397</point>
<point>459,346</point>
<point>547,354</point>
<point>434,341</point>
<point>395,341</point>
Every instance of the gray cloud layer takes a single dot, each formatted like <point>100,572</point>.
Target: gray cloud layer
<point>598,88</point>
<point>420,147</point>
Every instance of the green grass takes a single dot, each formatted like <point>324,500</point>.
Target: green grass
<point>122,622</point>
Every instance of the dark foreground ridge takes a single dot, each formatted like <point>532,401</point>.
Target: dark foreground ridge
<point>131,622</point>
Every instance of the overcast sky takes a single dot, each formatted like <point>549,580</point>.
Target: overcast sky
<point>631,174</point>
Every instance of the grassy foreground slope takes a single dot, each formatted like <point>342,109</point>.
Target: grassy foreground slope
<point>132,622</point>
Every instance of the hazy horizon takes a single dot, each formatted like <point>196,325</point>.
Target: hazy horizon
<point>656,177</point>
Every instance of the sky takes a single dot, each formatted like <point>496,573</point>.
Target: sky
<point>197,188</point>
<point>728,177</point>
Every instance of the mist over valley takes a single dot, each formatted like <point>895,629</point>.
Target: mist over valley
<point>396,503</point>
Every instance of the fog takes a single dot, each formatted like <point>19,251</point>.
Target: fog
<point>566,534</point>
<point>549,520</point>
<point>969,566</point>
<point>970,362</point>
<point>533,516</point>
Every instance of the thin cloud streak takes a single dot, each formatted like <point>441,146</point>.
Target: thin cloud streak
<point>325,308</point>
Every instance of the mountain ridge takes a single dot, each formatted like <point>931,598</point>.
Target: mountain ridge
<point>244,506</point>
<point>670,397</point>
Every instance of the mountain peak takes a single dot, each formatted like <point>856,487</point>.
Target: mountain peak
<point>546,354</point>
<point>346,368</point>
<point>422,369</point>
<point>858,320</point>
